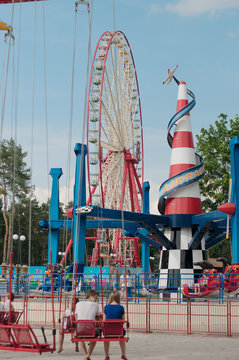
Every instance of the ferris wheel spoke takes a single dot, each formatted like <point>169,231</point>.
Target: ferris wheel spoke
<point>111,122</point>
<point>114,163</point>
<point>108,146</point>
<point>109,89</point>
<point>115,189</point>
<point>113,172</point>
<point>123,108</point>
<point>115,78</point>
<point>114,108</point>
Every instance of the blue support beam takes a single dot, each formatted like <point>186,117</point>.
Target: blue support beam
<point>215,238</point>
<point>53,234</point>
<point>129,216</point>
<point>79,221</point>
<point>206,217</point>
<point>147,239</point>
<point>147,221</point>
<point>56,224</point>
<point>234,147</point>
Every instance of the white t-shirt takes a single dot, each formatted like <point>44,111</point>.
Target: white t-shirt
<point>128,280</point>
<point>68,312</point>
<point>87,310</point>
<point>66,323</point>
<point>7,305</point>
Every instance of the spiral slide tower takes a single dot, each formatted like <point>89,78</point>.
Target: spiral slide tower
<point>180,195</point>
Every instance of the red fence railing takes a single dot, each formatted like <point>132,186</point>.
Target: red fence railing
<point>176,315</point>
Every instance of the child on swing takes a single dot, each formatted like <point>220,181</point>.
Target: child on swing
<point>114,311</point>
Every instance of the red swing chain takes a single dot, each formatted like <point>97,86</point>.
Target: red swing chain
<point>52,292</point>
<point>10,289</point>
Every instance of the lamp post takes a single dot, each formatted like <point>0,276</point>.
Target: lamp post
<point>18,266</point>
<point>20,239</point>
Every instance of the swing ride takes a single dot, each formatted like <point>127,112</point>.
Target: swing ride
<point>22,337</point>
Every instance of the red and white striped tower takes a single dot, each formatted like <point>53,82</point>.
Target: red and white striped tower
<point>178,264</point>
<point>186,200</point>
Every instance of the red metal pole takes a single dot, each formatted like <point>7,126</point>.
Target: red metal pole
<point>52,292</point>
<point>136,247</point>
<point>102,302</point>
<point>137,181</point>
<point>75,281</point>
<point>16,1</point>
<point>229,329</point>
<point>131,172</point>
<point>67,251</point>
<point>60,295</point>
<point>189,317</point>
<point>121,205</point>
<point>10,289</point>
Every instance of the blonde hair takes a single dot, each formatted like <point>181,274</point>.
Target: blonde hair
<point>114,296</point>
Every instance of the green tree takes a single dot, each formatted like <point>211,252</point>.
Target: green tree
<point>213,146</point>
<point>14,179</point>
<point>36,244</point>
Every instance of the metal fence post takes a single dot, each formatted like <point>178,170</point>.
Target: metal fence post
<point>189,317</point>
<point>229,318</point>
<point>147,315</point>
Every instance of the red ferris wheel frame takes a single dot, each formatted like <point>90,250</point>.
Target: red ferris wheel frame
<point>130,160</point>
<point>17,1</point>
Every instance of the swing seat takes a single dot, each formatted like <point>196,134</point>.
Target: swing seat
<point>67,324</point>
<point>108,330</point>
<point>113,328</point>
<point>2,315</point>
<point>6,338</point>
<point>85,329</point>
<point>22,338</point>
<point>14,318</point>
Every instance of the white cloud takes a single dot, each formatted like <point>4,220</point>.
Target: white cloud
<point>233,34</point>
<point>155,9</point>
<point>198,7</point>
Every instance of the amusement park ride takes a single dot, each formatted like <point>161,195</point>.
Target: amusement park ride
<point>182,231</point>
<point>117,207</point>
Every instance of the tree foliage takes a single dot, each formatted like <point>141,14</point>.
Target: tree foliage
<point>15,183</point>
<point>213,146</point>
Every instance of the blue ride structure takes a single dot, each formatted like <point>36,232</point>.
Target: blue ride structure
<point>181,231</point>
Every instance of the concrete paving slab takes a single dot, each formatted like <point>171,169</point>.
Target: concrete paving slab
<point>154,346</point>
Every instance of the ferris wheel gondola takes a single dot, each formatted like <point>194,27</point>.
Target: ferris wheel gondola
<point>115,138</point>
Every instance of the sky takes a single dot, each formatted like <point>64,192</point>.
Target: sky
<point>200,36</point>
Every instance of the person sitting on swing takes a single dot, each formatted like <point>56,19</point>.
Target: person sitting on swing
<point>88,310</point>
<point>114,311</point>
<point>11,297</point>
<point>67,326</point>
<point>1,305</point>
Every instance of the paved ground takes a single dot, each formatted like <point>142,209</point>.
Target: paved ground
<point>155,346</point>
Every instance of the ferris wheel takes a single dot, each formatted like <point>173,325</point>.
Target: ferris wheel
<point>115,140</point>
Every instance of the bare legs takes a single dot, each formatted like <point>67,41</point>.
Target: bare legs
<point>84,350</point>
<point>61,340</point>
<point>122,347</point>
<point>106,348</point>
<point>91,348</point>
